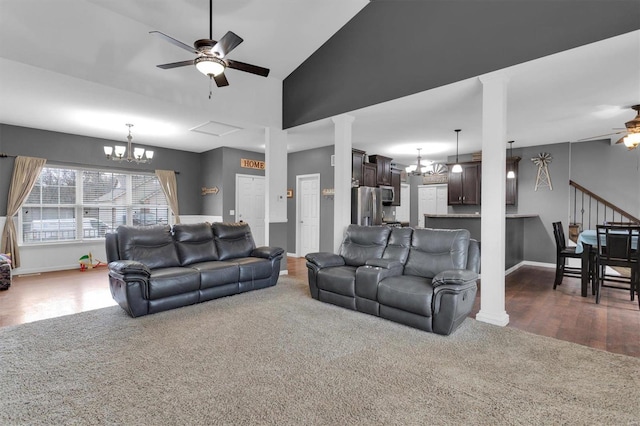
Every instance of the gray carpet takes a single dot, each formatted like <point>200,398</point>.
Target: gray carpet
<point>276,356</point>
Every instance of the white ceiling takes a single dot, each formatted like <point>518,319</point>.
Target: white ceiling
<point>88,67</point>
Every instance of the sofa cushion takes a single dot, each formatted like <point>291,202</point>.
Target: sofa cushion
<point>253,268</point>
<point>216,273</point>
<point>151,245</point>
<point>362,243</point>
<point>194,242</point>
<point>398,244</point>
<point>436,250</point>
<point>165,282</point>
<point>233,240</point>
<point>340,280</point>
<point>408,293</point>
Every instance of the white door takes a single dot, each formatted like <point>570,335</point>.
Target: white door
<point>403,211</point>
<point>250,205</point>
<point>432,199</point>
<point>308,214</point>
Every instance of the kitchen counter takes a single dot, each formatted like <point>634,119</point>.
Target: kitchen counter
<point>514,230</point>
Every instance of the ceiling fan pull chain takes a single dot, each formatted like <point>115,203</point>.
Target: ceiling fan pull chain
<point>210,83</point>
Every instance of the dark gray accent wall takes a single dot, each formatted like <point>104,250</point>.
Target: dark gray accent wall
<point>304,163</point>
<point>75,150</point>
<point>392,49</point>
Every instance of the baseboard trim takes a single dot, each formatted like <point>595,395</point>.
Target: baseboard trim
<point>500,319</point>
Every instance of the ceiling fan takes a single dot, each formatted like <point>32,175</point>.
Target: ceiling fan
<point>632,139</point>
<point>211,55</point>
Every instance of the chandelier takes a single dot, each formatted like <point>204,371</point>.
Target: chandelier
<point>417,169</point>
<point>137,155</point>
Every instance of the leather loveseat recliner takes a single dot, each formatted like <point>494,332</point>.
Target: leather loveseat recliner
<point>155,268</point>
<point>424,278</point>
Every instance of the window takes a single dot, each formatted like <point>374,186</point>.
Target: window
<point>75,204</point>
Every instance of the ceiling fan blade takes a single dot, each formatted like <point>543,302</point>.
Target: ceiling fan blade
<point>176,64</point>
<point>601,136</point>
<point>174,41</point>
<point>253,69</point>
<point>221,80</point>
<point>226,44</point>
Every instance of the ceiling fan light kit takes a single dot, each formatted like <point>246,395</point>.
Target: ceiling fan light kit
<point>210,65</point>
<point>135,155</point>
<point>457,168</point>
<point>210,53</point>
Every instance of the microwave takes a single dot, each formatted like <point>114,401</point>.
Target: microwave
<point>387,194</point>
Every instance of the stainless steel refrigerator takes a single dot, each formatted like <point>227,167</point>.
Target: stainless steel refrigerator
<point>366,206</point>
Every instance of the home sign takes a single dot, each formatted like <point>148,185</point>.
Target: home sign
<point>251,164</point>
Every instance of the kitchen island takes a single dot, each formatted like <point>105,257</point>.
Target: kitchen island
<point>514,230</point>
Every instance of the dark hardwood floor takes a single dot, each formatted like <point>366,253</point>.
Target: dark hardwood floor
<point>532,305</point>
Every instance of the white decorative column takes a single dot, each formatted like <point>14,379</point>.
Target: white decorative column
<point>341,177</point>
<point>275,156</point>
<point>492,225</point>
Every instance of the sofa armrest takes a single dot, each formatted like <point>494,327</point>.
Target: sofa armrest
<point>384,263</point>
<point>267,252</point>
<point>325,259</point>
<point>126,267</point>
<point>455,277</point>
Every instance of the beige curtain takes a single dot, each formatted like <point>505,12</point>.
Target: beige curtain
<point>169,186</point>
<point>25,173</point>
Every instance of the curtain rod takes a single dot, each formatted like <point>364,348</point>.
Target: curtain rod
<point>5,155</point>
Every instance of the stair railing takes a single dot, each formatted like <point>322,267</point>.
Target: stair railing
<point>589,210</point>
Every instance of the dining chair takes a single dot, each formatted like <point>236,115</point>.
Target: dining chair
<point>618,246</point>
<point>563,252</point>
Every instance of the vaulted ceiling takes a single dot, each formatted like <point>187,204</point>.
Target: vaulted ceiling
<point>87,67</point>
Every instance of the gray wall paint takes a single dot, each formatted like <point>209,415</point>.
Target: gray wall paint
<point>278,238</point>
<point>75,150</point>
<point>383,52</point>
<point>304,163</point>
<point>211,165</point>
<point>610,171</point>
<point>219,168</point>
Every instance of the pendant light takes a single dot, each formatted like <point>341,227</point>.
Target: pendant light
<point>457,168</point>
<point>511,174</point>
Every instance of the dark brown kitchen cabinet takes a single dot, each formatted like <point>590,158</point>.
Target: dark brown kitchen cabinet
<point>368,175</point>
<point>383,169</point>
<point>395,183</point>
<point>464,188</point>
<point>357,165</point>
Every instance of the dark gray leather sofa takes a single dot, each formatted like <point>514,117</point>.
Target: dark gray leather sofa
<point>155,268</point>
<point>424,278</point>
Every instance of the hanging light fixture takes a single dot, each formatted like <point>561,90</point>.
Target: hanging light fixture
<point>511,174</point>
<point>418,168</point>
<point>137,155</point>
<point>457,168</point>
